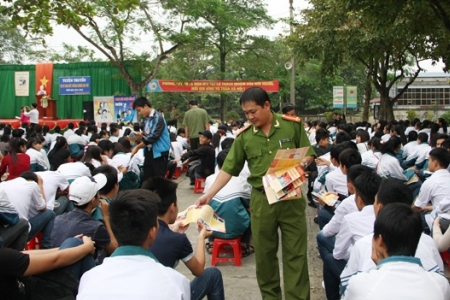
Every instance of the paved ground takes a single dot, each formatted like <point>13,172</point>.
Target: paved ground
<point>240,282</point>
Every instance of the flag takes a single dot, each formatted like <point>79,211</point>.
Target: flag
<point>44,76</point>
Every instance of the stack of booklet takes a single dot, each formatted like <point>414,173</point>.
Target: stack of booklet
<point>285,178</point>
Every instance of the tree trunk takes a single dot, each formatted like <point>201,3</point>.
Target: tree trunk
<point>223,56</point>
<point>367,96</point>
<point>386,106</point>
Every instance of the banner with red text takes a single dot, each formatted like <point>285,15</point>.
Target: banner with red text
<point>210,86</point>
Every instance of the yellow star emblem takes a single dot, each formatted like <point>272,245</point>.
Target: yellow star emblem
<point>44,81</point>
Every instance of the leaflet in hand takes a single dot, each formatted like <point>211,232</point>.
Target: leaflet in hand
<point>329,198</point>
<point>205,215</point>
<point>285,179</point>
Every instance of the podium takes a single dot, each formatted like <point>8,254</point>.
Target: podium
<point>48,112</point>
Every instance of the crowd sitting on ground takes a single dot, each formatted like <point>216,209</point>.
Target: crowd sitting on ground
<point>103,201</point>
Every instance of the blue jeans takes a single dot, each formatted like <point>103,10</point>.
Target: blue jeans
<point>325,244</point>
<point>64,205</point>
<point>210,284</point>
<point>81,266</point>
<point>332,269</point>
<point>42,222</point>
<point>324,217</point>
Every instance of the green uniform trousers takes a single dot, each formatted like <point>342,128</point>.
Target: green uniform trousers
<point>290,217</point>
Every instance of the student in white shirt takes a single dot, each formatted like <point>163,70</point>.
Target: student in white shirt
<point>354,226</point>
<point>132,269</point>
<point>55,183</point>
<point>38,160</point>
<point>386,133</point>
<point>336,181</point>
<point>409,148</point>
<point>114,137</point>
<point>33,114</point>
<point>372,156</point>
<point>391,191</point>
<point>389,165</point>
<point>69,131</point>
<point>326,237</point>
<point>399,275</point>
<point>362,138</point>
<point>419,155</point>
<point>435,188</point>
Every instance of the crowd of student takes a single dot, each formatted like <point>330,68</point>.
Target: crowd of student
<point>394,175</point>
<point>63,186</point>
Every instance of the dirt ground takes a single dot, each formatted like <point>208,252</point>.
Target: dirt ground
<point>240,282</point>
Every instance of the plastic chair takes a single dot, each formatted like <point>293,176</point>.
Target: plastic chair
<point>199,185</point>
<point>219,248</point>
<point>35,242</point>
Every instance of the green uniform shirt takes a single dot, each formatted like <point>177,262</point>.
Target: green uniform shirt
<point>259,150</point>
<point>195,119</point>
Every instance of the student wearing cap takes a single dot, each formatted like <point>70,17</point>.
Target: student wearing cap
<point>196,120</point>
<point>205,154</point>
<point>83,192</point>
<point>133,272</point>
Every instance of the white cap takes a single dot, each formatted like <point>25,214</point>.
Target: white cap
<point>84,188</point>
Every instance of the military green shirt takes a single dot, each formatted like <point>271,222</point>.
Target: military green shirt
<point>259,150</point>
<point>195,119</point>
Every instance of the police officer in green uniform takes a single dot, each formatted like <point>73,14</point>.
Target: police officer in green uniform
<point>257,144</point>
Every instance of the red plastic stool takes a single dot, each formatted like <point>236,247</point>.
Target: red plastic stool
<point>177,172</point>
<point>218,248</point>
<point>183,168</point>
<point>199,185</point>
<point>446,257</point>
<point>35,242</point>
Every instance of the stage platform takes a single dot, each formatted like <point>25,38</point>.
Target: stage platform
<point>62,123</point>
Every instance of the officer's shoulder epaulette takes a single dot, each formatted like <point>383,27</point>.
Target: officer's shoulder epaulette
<point>247,126</point>
<point>292,119</point>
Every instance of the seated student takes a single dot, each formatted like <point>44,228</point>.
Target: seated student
<point>56,188</point>
<point>69,131</point>
<point>74,170</point>
<point>13,230</point>
<point>59,154</point>
<point>362,138</point>
<point>371,157</point>
<point>323,142</point>
<point>114,137</point>
<point>391,191</point>
<point>39,274</point>
<point>176,151</point>
<point>326,237</point>
<point>231,203</point>
<point>122,160</point>
<point>76,143</point>
<point>435,188</point>
<point>31,205</point>
<point>347,158</point>
<point>17,161</point>
<point>411,145</point>
<point>38,160</point>
<point>399,275</point>
<point>171,246</point>
<point>83,192</point>
<point>354,226</point>
<point>109,191</point>
<point>205,154</point>
<point>132,271</point>
<point>419,154</point>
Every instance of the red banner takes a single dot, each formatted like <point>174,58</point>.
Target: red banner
<point>44,75</point>
<point>210,86</point>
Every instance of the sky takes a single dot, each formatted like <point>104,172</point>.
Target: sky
<point>276,9</point>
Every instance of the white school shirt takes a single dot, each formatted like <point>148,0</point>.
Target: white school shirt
<point>52,180</point>
<point>177,151</point>
<point>68,133</point>
<point>409,129</point>
<point>435,189</point>
<point>34,115</point>
<point>336,181</point>
<point>427,131</point>
<point>361,257</point>
<point>389,166</point>
<point>347,206</point>
<point>354,226</point>
<point>76,139</point>
<point>37,157</point>
<point>398,277</point>
<point>322,170</point>
<point>386,137</point>
<point>362,148</point>
<point>409,148</point>
<point>25,195</point>
<point>136,277</point>
<point>370,159</point>
<point>418,151</point>
<point>73,170</point>
<point>114,139</point>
